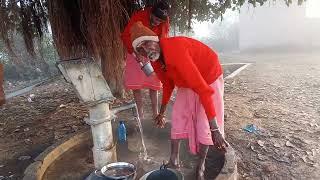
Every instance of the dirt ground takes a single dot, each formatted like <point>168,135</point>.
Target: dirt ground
<point>28,127</point>
<point>279,93</point>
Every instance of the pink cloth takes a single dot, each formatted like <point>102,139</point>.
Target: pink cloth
<point>189,120</point>
<point>134,77</point>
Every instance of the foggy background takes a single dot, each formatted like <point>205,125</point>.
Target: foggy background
<point>271,27</point>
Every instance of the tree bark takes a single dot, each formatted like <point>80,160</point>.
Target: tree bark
<point>112,71</point>
<point>189,14</point>
<point>2,97</point>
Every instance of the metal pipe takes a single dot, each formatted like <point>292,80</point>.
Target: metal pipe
<point>86,77</point>
<point>104,150</point>
<point>123,108</point>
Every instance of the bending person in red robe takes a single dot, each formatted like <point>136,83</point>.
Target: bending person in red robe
<point>155,18</point>
<point>194,68</point>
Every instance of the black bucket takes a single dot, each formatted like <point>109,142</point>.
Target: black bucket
<point>163,174</point>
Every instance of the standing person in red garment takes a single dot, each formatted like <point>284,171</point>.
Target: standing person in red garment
<point>2,97</point>
<point>194,68</point>
<point>155,18</point>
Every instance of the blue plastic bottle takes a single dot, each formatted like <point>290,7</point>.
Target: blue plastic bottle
<point>122,132</point>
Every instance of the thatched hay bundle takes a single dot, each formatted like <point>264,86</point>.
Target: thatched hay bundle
<point>65,23</point>
<point>91,28</point>
<point>104,20</point>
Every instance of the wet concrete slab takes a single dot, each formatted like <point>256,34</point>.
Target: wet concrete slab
<point>78,162</point>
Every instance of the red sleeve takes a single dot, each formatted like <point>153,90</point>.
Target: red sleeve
<point>188,71</point>
<point>125,36</point>
<point>167,84</point>
<point>167,89</point>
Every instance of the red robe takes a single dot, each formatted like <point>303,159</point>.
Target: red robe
<point>161,30</point>
<point>189,64</point>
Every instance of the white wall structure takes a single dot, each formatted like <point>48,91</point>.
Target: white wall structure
<point>276,26</point>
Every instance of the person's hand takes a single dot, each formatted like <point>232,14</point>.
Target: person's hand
<point>218,140</point>
<point>160,120</point>
<point>139,57</point>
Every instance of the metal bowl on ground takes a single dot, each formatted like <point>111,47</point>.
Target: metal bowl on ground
<point>163,174</point>
<point>117,171</point>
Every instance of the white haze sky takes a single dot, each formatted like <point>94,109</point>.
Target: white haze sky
<point>313,9</point>
<point>201,29</point>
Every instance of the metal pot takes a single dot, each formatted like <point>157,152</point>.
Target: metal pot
<point>163,173</point>
<point>117,171</point>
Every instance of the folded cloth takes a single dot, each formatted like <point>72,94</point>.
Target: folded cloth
<point>189,120</point>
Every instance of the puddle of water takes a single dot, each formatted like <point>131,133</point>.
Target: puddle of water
<point>149,153</point>
<point>78,162</point>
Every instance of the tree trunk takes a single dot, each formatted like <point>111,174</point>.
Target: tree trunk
<point>2,97</point>
<point>189,14</point>
<point>16,61</point>
<point>44,66</point>
<point>112,71</point>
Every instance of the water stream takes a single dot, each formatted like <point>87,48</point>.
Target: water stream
<point>144,154</point>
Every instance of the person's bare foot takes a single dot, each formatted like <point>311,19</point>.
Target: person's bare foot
<point>200,170</point>
<point>173,165</point>
<point>200,173</point>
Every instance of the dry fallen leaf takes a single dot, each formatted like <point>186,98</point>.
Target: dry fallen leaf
<point>277,145</point>
<point>62,106</point>
<point>304,158</point>
<point>289,144</point>
<point>262,157</point>
<point>261,143</point>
